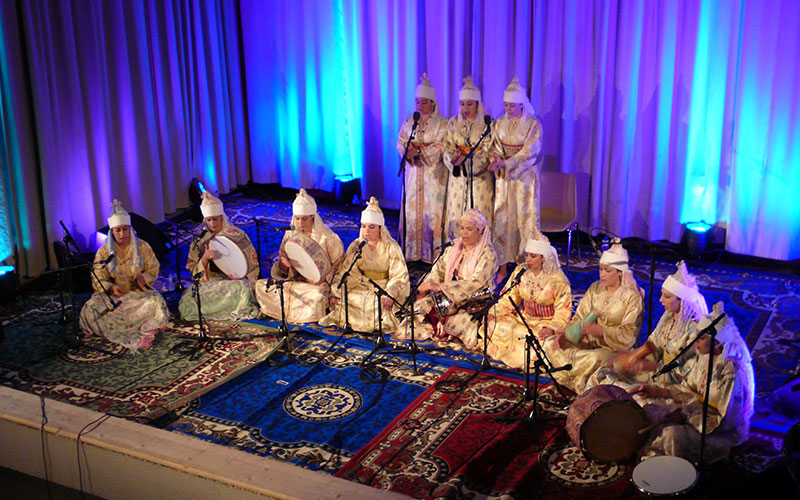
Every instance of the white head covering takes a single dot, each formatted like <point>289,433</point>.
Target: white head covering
<point>540,245</point>
<point>516,94</point>
<point>477,218</point>
<point>304,204</point>
<point>469,92</point>
<point>616,256</point>
<point>373,214</point>
<point>211,206</point>
<point>425,89</point>
<point>684,286</point>
<point>119,216</point>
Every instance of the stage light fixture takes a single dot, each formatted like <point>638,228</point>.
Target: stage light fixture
<point>696,236</point>
<point>196,190</point>
<point>346,187</point>
<point>8,284</point>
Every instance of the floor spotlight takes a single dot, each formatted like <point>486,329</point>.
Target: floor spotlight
<point>196,190</point>
<point>8,284</point>
<point>346,188</point>
<point>696,236</point>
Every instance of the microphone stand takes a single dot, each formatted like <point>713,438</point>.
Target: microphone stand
<point>469,157</point>
<point>712,331</point>
<point>193,347</point>
<point>541,361</point>
<point>179,285</point>
<point>402,170</point>
<point>347,329</point>
<point>370,372</point>
<point>283,329</point>
<point>258,243</point>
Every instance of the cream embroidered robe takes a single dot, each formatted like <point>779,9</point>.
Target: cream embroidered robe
<point>461,136</point>
<point>545,303</point>
<point>386,266</point>
<point>457,291</point>
<point>139,311</point>
<point>425,188</point>
<point>304,302</point>
<point>619,314</point>
<point>516,195</point>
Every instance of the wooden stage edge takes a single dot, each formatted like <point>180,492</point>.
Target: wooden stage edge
<point>121,459</point>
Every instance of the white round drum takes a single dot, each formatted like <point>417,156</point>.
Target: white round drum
<point>664,476</point>
<point>228,257</point>
<point>307,257</point>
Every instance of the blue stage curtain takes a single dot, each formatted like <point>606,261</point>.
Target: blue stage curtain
<point>667,112</point>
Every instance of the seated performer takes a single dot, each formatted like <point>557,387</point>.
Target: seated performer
<point>133,311</point>
<point>221,296</point>
<point>304,302</point>
<point>608,318</point>
<point>675,400</point>
<point>684,306</point>
<point>465,270</point>
<point>381,261</point>
<point>543,296</point>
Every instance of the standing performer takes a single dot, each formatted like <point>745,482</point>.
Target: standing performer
<point>425,176</point>
<point>381,261</point>
<point>128,276</point>
<point>607,320</point>
<point>465,271</point>
<point>463,132</point>
<point>544,298</point>
<point>222,296</point>
<point>304,302</point>
<point>517,142</point>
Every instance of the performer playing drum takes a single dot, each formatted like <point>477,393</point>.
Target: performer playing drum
<point>308,254</point>
<point>223,295</point>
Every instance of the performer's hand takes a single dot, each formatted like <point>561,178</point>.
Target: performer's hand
<point>458,159</point>
<point>335,301</point>
<point>592,330</point>
<point>428,287</point>
<point>208,255</point>
<point>546,333</point>
<point>497,165</point>
<point>651,391</point>
<point>560,339</point>
<point>141,282</point>
<point>284,263</point>
<point>231,277</point>
<point>116,291</point>
<point>386,302</point>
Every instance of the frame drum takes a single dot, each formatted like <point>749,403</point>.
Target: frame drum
<point>228,257</point>
<point>307,257</point>
<point>664,476</point>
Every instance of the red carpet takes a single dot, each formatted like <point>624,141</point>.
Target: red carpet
<point>451,446</point>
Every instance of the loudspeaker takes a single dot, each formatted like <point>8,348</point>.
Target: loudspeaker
<point>81,279</point>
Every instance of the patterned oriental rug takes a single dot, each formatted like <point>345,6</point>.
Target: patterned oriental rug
<point>107,378</point>
<point>316,415</point>
<point>453,446</point>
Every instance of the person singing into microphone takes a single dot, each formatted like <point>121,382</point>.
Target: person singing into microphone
<point>304,302</point>
<point>517,143</point>
<point>425,180</point>
<point>127,268</point>
<point>463,132</point>
<point>544,297</point>
<point>465,269</point>
<point>608,319</point>
<point>380,260</point>
<point>221,296</point>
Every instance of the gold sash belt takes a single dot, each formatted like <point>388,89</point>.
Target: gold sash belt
<point>376,275</point>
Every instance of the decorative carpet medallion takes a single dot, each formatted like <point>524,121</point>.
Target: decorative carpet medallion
<point>567,465</point>
<point>322,402</point>
<point>92,350</point>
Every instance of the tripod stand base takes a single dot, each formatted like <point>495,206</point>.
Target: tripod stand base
<point>373,373</point>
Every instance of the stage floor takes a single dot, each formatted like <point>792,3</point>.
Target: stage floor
<point>326,416</point>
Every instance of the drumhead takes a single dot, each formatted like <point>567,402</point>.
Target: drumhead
<point>302,261</point>
<point>665,475</point>
<point>228,257</point>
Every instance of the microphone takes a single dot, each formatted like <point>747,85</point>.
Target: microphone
<point>594,245</point>
<point>361,245</point>
<point>105,261</point>
<point>202,233</point>
<point>488,121</point>
<point>416,117</point>
<point>518,277</point>
<point>445,245</point>
<point>197,275</point>
<point>456,170</point>
<point>281,228</point>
